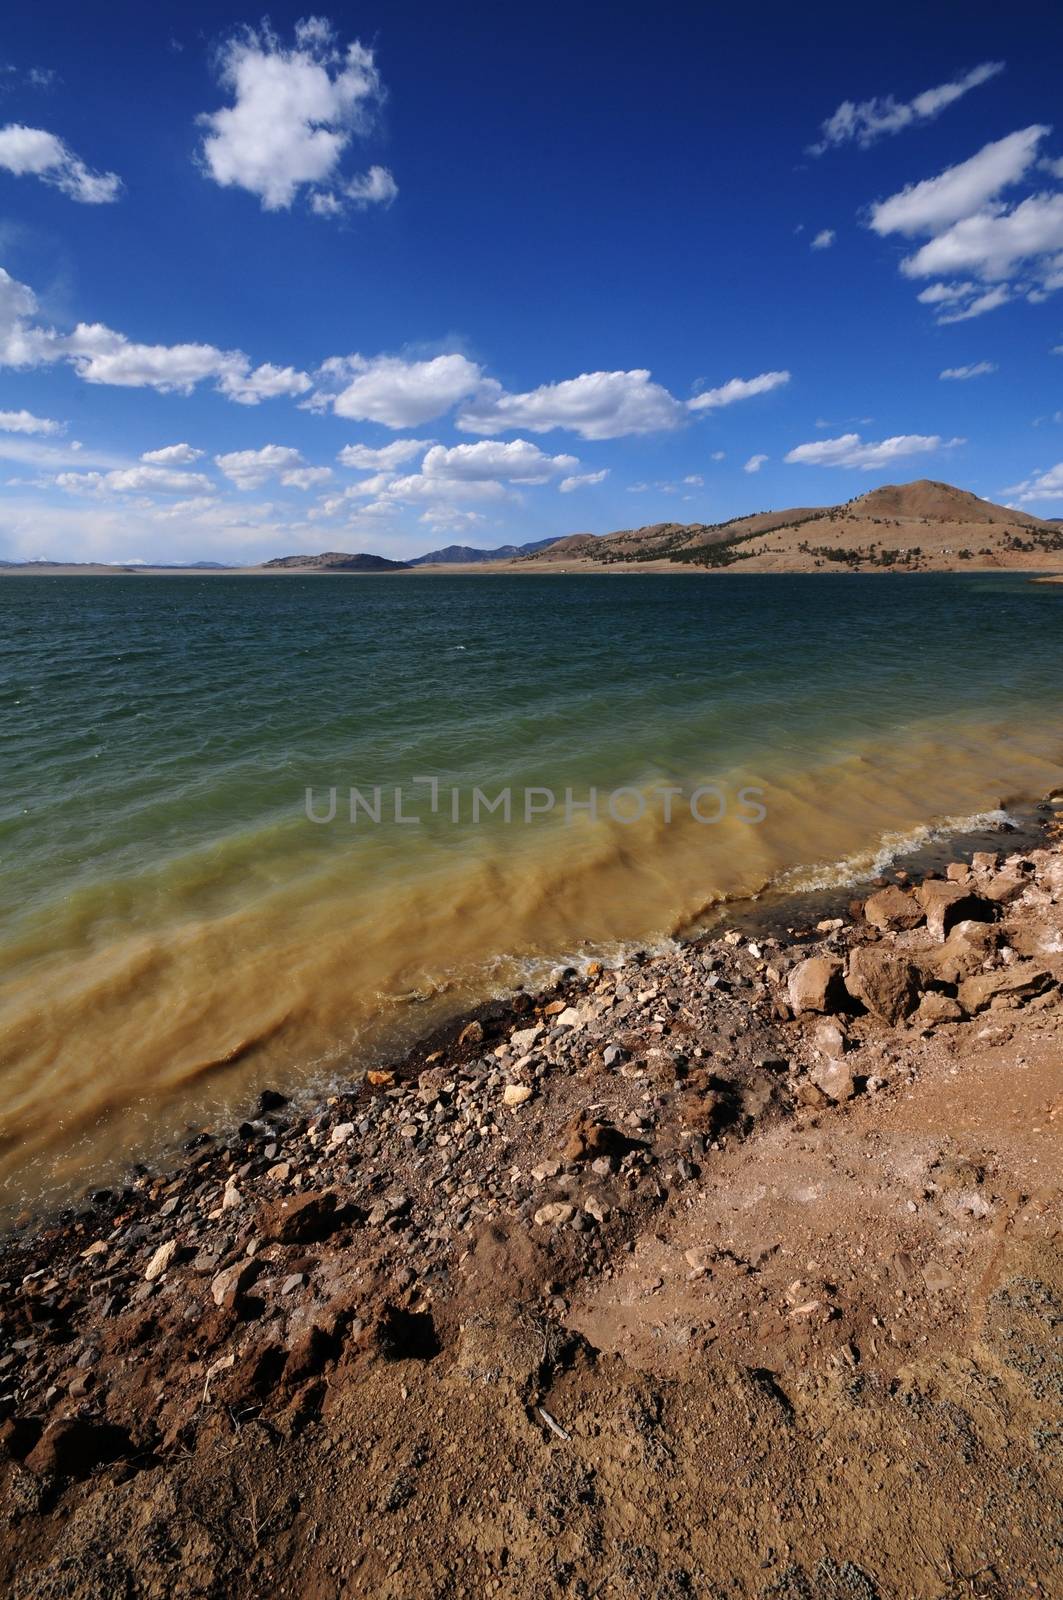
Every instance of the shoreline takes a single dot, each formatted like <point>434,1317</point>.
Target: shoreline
<point>479,1225</point>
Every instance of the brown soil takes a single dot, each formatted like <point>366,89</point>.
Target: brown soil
<point>675,1322</point>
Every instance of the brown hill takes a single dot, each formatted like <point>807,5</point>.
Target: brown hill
<point>334,561</point>
<point>920,526</point>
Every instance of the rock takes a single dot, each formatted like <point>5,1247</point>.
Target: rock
<point>830,1037</point>
<point>699,1258</point>
<point>380,1079</point>
<point>517,1094</point>
<point>964,952</point>
<point>271,1100</point>
<point>73,1447</point>
<point>957,872</point>
<point>1010,986</point>
<point>231,1197</point>
<point>596,1208</point>
<point>555,1215</point>
<point>985,860</point>
<point>811,1095</point>
<point>835,1080</point>
<point>882,980</point>
<point>569,1018</point>
<point>936,1277</point>
<point>97,1249</point>
<point>303,1219</point>
<point>472,1033</point>
<point>160,1260</point>
<point>229,1285</point>
<point>1004,887</point>
<point>342,1131</point>
<point>545,1169</point>
<point>946,904</point>
<point>893,909</point>
<point>815,984</point>
<point>524,1038</point>
<point>935,1008</point>
<point>613,1055</point>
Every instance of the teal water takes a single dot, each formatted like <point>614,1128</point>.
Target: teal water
<point>173,928</point>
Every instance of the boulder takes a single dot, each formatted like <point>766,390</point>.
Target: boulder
<point>829,1037</point>
<point>304,1219</point>
<point>1003,887</point>
<point>946,904</point>
<point>893,909</point>
<point>957,872</point>
<point>815,984</point>
<point>1009,986</point>
<point>964,952</point>
<point>883,980</point>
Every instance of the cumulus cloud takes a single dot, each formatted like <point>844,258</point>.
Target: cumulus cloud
<point>305,477</point>
<point>737,389</point>
<point>520,461</point>
<point>294,112</point>
<point>754,463</point>
<point>26,422</point>
<point>994,243</point>
<point>851,451</point>
<point>976,369</point>
<point>583,480</point>
<point>382,458</point>
<point>392,390</point>
<point>823,240</point>
<point>33,152</point>
<point>136,480</point>
<point>172,455</point>
<point>1042,486</point>
<point>596,405</point>
<point>250,469</point>
<point>936,203</point>
<point>865,121</point>
<point>100,354</point>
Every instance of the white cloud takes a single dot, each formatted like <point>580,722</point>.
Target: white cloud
<point>865,121</point>
<point>33,152</point>
<point>583,480</point>
<point>1042,486</point>
<point>851,451</point>
<point>718,455</point>
<point>596,405</point>
<point>754,463</point>
<point>737,389</point>
<point>694,480</point>
<point>26,422</point>
<point>393,391</point>
<point>823,240</point>
<point>172,455</point>
<point>377,187</point>
<point>992,243</point>
<point>517,462</point>
<point>976,306</point>
<point>448,519</point>
<point>367,458</point>
<point>264,383</point>
<point>936,203</point>
<point>136,480</point>
<point>250,469</point>
<point>99,354</point>
<point>294,113</point>
<point>976,369</point>
<point>305,477</point>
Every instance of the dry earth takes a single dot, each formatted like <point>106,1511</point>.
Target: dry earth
<point>730,1272</point>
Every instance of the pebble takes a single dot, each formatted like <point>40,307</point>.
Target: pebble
<point>160,1260</point>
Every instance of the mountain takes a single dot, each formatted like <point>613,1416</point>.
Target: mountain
<point>453,554</point>
<point>334,561</point>
<point>920,526</point>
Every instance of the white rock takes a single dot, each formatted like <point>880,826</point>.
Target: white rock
<point>517,1094</point>
<point>160,1260</point>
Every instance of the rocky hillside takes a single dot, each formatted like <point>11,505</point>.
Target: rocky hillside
<point>920,526</point>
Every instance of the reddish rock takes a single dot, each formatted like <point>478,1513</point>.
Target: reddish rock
<point>815,984</point>
<point>73,1447</point>
<point>1010,986</point>
<point>883,980</point>
<point>302,1219</point>
<point>893,909</point>
<point>946,904</point>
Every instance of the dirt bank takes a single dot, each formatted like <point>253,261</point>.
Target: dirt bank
<point>730,1272</point>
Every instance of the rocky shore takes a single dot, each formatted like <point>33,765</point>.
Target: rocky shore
<point>731,1271</point>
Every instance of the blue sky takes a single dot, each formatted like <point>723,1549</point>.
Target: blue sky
<point>599,268</point>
